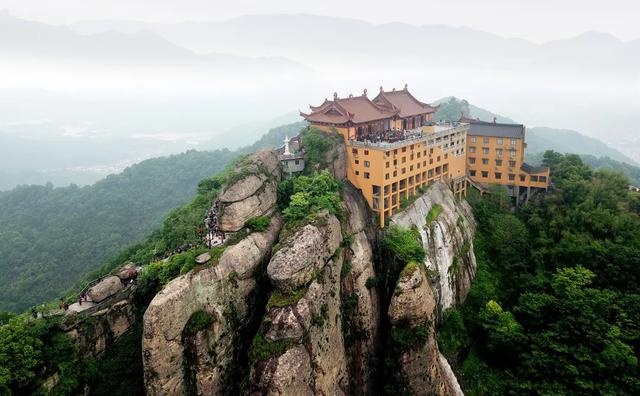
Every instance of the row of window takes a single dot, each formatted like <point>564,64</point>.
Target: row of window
<point>485,140</point>
<point>485,161</point>
<point>445,168</point>
<point>367,163</point>
<point>511,176</point>
<point>499,151</point>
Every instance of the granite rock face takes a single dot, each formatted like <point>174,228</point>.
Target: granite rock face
<point>97,332</point>
<point>224,292</point>
<point>413,304</point>
<point>253,193</point>
<point>305,253</point>
<point>307,266</point>
<point>107,287</point>
<point>448,242</point>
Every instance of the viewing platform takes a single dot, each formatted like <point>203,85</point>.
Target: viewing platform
<point>432,134</point>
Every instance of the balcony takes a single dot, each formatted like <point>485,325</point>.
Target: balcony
<point>431,135</point>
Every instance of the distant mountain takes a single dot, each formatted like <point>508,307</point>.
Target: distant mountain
<point>540,139</point>
<point>303,37</point>
<point>22,38</point>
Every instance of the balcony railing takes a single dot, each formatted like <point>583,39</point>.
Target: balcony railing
<point>416,136</point>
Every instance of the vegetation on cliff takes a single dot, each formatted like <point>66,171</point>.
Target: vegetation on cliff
<point>554,307</point>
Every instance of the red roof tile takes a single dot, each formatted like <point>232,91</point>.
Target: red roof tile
<point>403,100</point>
<point>357,109</point>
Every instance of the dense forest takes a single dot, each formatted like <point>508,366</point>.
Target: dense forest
<point>33,349</point>
<point>555,307</point>
<point>50,238</point>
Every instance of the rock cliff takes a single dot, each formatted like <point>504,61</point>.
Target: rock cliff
<point>447,228</point>
<point>296,309</point>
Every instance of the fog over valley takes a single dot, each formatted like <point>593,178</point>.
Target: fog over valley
<point>85,99</point>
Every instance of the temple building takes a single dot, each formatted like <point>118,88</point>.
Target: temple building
<point>495,155</point>
<point>393,146</point>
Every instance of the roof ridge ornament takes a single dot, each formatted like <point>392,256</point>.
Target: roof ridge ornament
<point>381,89</point>
<point>406,87</point>
<point>364,93</point>
<point>335,95</point>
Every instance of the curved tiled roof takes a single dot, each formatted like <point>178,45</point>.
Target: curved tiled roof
<point>357,109</point>
<point>405,102</point>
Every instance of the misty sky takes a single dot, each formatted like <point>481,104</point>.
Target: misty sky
<point>536,20</point>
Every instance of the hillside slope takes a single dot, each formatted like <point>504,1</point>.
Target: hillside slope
<point>539,139</point>
<point>50,238</point>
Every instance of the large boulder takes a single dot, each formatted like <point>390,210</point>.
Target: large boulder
<point>252,192</point>
<point>244,188</point>
<point>107,287</point>
<point>304,253</point>
<point>287,374</point>
<point>413,302</point>
<point>127,271</point>
<point>234,215</point>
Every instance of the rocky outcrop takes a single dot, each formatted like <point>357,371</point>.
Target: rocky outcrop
<point>105,288</point>
<point>304,317</point>
<point>95,333</point>
<point>447,240</point>
<point>303,255</point>
<point>412,314</point>
<point>252,191</point>
<point>362,323</point>
<point>224,293</point>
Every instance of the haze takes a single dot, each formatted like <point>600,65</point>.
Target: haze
<point>87,88</point>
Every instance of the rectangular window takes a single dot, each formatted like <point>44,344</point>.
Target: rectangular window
<point>534,179</point>
<point>523,178</point>
<point>485,174</point>
<point>543,179</point>
<point>512,176</point>
<point>485,150</point>
<point>404,159</point>
<point>499,152</point>
<point>472,160</point>
<point>472,173</point>
<point>354,151</point>
<point>357,162</point>
<point>411,168</point>
<point>512,153</point>
<point>498,162</point>
<point>367,164</point>
<point>498,175</point>
<point>404,170</point>
<point>473,139</point>
<point>499,141</point>
<point>513,142</point>
<point>472,149</point>
<point>367,175</point>
<point>395,173</point>
<point>512,164</point>
<point>404,149</point>
<point>485,140</point>
<point>485,161</point>
<point>386,176</point>
<point>386,165</point>
<point>366,152</point>
<point>438,159</point>
<point>357,173</point>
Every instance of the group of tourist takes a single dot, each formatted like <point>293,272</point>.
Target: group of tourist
<point>214,235</point>
<point>388,136</point>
